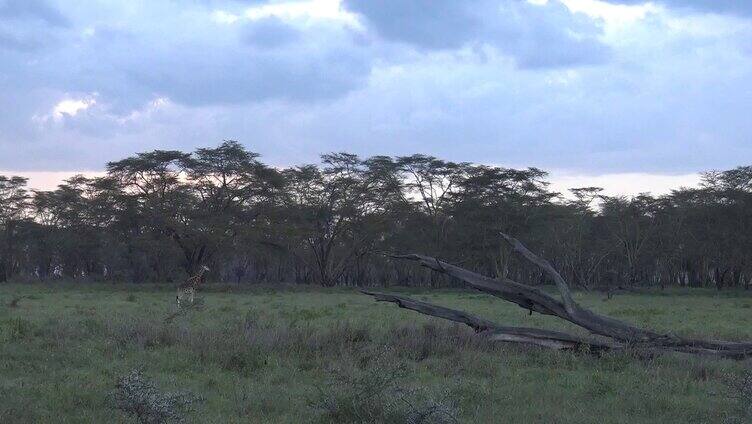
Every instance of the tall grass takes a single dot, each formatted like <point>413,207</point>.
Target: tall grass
<point>332,356</point>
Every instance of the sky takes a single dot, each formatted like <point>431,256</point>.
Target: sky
<point>630,95</point>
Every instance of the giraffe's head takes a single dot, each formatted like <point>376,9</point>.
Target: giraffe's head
<point>204,268</point>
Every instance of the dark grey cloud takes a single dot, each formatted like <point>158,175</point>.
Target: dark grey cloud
<point>28,37</point>
<point>161,51</point>
<point>261,60</point>
<point>547,36</point>
<point>492,81</point>
<point>213,77</point>
<point>740,7</point>
<point>33,10</point>
<point>208,63</point>
<point>535,35</point>
<point>426,23</point>
<point>29,25</point>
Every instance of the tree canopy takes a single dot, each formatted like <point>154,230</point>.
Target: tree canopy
<point>159,216</point>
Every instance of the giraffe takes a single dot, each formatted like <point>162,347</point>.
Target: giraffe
<point>187,290</point>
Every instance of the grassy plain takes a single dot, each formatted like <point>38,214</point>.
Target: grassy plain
<point>269,355</point>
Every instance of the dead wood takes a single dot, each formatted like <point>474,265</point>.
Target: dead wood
<point>531,336</point>
<point>568,309</point>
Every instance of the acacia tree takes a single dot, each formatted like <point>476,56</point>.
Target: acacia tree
<point>161,214</point>
<point>337,212</point>
<point>198,201</point>
<point>71,239</point>
<point>158,202</point>
<point>582,253</point>
<point>13,208</point>
<point>430,182</point>
<point>80,230</point>
<point>229,188</point>
<point>632,226</point>
<point>492,199</point>
<point>726,199</point>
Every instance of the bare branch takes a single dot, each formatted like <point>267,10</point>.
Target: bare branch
<point>536,300</point>
<point>525,296</point>
<point>566,295</point>
<point>531,336</point>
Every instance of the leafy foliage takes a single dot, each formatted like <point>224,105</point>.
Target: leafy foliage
<point>135,395</point>
<point>161,215</point>
<point>740,390</point>
<point>374,391</point>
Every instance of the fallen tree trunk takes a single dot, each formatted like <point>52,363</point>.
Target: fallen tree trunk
<point>531,336</point>
<point>535,300</point>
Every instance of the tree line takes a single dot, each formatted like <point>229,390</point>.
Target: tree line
<point>159,216</point>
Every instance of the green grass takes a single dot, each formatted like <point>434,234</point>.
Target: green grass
<point>264,355</point>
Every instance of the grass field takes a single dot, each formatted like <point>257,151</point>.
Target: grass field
<point>307,355</point>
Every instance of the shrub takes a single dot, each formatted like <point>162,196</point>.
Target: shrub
<point>374,391</point>
<point>140,333</point>
<point>185,310</point>
<point>242,398</point>
<point>227,347</point>
<point>740,390</point>
<point>15,329</point>
<point>420,342</point>
<point>14,303</point>
<point>137,396</point>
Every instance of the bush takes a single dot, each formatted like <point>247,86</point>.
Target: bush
<point>137,396</point>
<point>374,391</point>
<point>185,310</point>
<point>740,390</point>
<point>15,329</point>
<point>14,303</point>
<point>140,333</point>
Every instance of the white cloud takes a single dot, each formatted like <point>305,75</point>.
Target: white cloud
<point>298,11</point>
<point>725,7</point>
<point>67,108</point>
<point>622,184</point>
<point>611,14</point>
<point>44,180</point>
<point>146,112</point>
<point>71,107</point>
<point>313,9</point>
<point>224,17</point>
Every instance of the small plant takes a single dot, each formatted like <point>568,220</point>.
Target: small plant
<point>137,396</point>
<point>740,390</point>
<point>131,298</point>
<point>242,397</point>
<point>430,409</point>
<point>185,309</point>
<point>14,303</point>
<point>15,329</point>
<point>373,391</point>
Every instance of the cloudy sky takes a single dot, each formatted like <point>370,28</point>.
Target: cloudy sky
<point>626,94</point>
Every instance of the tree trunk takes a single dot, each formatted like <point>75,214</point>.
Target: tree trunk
<point>567,309</point>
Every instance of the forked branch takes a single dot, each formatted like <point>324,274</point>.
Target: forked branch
<point>566,295</point>
<point>530,336</point>
<point>535,300</point>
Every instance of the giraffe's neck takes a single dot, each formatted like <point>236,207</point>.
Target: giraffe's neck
<point>194,281</point>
